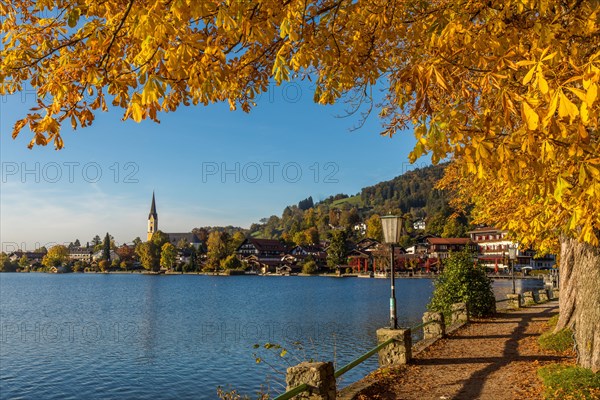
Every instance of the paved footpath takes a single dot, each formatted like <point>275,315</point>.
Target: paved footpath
<point>491,359</point>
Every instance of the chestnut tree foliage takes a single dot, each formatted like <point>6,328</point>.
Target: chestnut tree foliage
<point>508,89</point>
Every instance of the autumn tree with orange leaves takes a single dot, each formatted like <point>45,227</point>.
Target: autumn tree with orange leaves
<point>506,89</point>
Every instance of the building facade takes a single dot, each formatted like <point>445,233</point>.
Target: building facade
<point>440,248</point>
<point>262,254</point>
<point>493,245</point>
<point>174,238</point>
<point>81,254</point>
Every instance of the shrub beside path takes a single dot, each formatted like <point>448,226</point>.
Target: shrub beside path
<point>495,359</point>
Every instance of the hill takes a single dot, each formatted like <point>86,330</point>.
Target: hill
<point>411,194</point>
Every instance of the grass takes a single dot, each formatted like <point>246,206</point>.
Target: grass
<point>560,341</point>
<point>564,382</point>
<point>352,201</point>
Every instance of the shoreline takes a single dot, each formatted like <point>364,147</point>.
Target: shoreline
<point>223,274</point>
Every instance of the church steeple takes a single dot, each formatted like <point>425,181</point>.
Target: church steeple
<point>153,208</point>
<point>152,219</point>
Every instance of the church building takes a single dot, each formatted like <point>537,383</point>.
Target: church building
<point>152,219</point>
<point>174,238</point>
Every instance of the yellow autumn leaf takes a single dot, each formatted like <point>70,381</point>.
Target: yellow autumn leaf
<point>591,94</point>
<point>578,92</point>
<point>551,109</point>
<point>542,84</point>
<point>531,117</point>
<point>549,56</point>
<point>583,112</point>
<point>582,174</point>
<point>528,76</point>
<point>566,108</point>
<point>440,79</point>
<point>136,112</point>
<point>561,186</point>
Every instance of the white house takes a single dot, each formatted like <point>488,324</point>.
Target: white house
<point>97,256</point>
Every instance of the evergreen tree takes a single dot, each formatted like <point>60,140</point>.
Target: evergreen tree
<point>193,264</point>
<point>96,240</point>
<point>106,248</point>
<point>306,204</point>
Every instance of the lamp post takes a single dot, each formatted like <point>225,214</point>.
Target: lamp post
<point>392,229</point>
<point>512,254</point>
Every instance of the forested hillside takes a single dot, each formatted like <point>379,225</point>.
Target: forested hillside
<point>412,195</point>
<point>412,192</point>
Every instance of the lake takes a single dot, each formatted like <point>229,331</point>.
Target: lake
<point>101,336</point>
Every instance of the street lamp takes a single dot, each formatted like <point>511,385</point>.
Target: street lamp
<point>512,254</point>
<point>392,229</point>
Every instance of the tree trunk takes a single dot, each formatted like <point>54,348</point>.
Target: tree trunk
<point>579,299</point>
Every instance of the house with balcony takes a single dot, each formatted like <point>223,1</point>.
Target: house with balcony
<point>263,255</point>
<point>299,253</point>
<point>440,248</point>
<point>493,245</point>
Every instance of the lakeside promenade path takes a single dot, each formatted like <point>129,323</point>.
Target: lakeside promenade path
<point>493,359</point>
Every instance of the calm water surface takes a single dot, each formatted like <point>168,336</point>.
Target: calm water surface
<point>77,336</point>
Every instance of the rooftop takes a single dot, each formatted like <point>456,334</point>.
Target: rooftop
<point>449,240</point>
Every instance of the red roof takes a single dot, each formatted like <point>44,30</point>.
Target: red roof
<point>486,229</point>
<point>268,245</point>
<point>449,240</point>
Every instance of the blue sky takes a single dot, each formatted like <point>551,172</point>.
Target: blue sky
<point>102,181</point>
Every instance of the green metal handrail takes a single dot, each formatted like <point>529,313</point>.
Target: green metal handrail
<point>422,325</point>
<point>362,358</point>
<point>292,392</point>
<point>301,388</point>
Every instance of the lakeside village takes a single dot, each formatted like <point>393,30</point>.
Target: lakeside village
<point>237,255</point>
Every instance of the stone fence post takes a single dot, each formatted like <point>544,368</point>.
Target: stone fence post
<point>437,328</point>
<point>460,313</point>
<point>397,352</point>
<point>543,295</point>
<point>514,301</point>
<point>319,376</point>
<point>528,298</point>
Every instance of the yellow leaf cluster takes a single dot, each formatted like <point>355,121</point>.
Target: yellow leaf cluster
<point>506,88</point>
